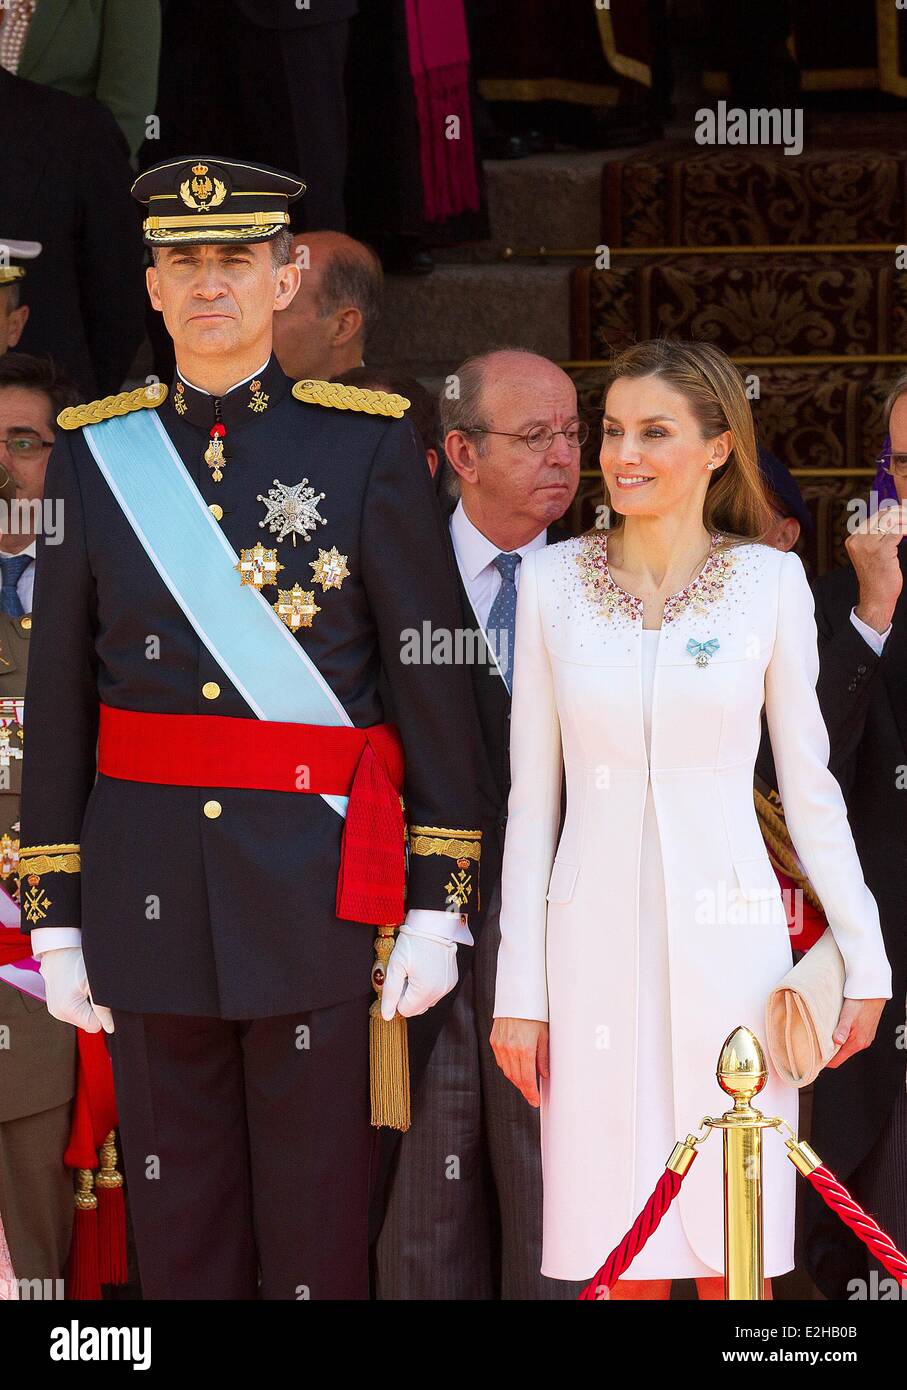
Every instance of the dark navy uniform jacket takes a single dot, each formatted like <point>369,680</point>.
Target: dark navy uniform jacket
<point>234,917</point>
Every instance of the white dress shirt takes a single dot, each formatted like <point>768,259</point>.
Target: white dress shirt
<point>475,555</point>
<point>25,587</point>
<point>876,640</point>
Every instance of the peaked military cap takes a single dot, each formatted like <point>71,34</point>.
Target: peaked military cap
<point>12,253</point>
<point>211,200</point>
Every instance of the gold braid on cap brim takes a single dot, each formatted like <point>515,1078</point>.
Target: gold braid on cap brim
<point>204,236</point>
<point>142,398</point>
<point>778,843</point>
<point>334,394</point>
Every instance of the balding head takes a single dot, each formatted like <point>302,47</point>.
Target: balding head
<point>323,331</point>
<point>508,489</point>
<point>484,385</point>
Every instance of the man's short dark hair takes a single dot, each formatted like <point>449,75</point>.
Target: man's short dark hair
<point>281,248</point>
<point>11,296</point>
<point>352,278</point>
<point>40,374</point>
<point>423,408</point>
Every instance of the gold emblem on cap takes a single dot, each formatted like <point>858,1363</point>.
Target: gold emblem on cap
<point>202,192</point>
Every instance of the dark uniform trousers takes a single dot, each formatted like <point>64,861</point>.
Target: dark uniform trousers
<point>438,1240</point>
<point>248,1152</point>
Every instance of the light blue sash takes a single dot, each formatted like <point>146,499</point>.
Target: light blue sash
<point>188,549</point>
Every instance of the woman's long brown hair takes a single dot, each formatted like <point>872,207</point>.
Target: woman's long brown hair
<point>736,502</point>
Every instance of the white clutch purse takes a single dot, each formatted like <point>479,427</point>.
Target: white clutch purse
<point>802,1013</point>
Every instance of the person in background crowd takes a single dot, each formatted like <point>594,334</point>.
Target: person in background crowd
<point>790,514</point>
<point>37,1069</point>
<point>106,49</point>
<point>13,313</point>
<point>583,74</point>
<point>859,1125</point>
<point>512,441</point>
<point>425,186</point>
<point>324,331</point>
<point>264,79</point>
<point>64,182</point>
<point>422,408</point>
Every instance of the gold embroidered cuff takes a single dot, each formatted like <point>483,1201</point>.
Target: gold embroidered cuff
<point>49,859</point>
<point>442,885</point>
<point>35,860</point>
<point>456,844</point>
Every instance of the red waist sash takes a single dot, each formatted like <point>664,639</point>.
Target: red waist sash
<point>213,750</point>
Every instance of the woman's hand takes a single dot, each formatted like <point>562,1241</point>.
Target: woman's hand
<point>856,1027</point>
<point>520,1047</point>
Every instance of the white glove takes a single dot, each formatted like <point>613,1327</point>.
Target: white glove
<point>68,995</point>
<point>421,970</point>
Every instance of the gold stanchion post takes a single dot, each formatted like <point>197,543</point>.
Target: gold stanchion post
<point>742,1074</point>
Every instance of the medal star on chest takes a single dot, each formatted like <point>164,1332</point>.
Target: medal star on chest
<point>292,510</point>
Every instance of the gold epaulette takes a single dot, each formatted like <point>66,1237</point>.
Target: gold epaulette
<point>142,398</point>
<point>340,397</point>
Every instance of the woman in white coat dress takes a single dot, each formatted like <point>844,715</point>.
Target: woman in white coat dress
<point>636,943</point>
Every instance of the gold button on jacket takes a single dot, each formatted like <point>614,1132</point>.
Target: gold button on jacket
<point>210,690</point>
<point>212,809</point>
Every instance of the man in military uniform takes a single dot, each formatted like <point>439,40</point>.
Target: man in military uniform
<point>38,1062</point>
<point>242,557</point>
<point>13,313</point>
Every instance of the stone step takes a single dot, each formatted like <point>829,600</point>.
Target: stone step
<point>551,200</point>
<point>431,323</point>
<point>547,199</point>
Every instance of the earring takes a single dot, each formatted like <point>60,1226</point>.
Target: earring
<point>710,466</point>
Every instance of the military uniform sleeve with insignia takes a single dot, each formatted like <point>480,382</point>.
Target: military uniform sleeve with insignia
<point>61,719</point>
<point>411,588</point>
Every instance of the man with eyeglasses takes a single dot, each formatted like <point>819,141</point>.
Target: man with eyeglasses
<point>464,1207</point>
<point>37,1068</point>
<point>859,1122</point>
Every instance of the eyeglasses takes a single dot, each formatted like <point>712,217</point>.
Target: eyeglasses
<point>24,446</point>
<point>893,463</point>
<point>540,437</point>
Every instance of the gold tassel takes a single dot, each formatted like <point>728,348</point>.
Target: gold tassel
<point>388,1048</point>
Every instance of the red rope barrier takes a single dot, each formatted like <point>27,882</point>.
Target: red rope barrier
<point>666,1189</point>
<point>836,1196</point>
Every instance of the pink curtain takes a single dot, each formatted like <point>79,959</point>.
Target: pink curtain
<point>439,65</point>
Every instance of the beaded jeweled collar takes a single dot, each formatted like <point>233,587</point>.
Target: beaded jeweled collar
<point>707,586</point>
